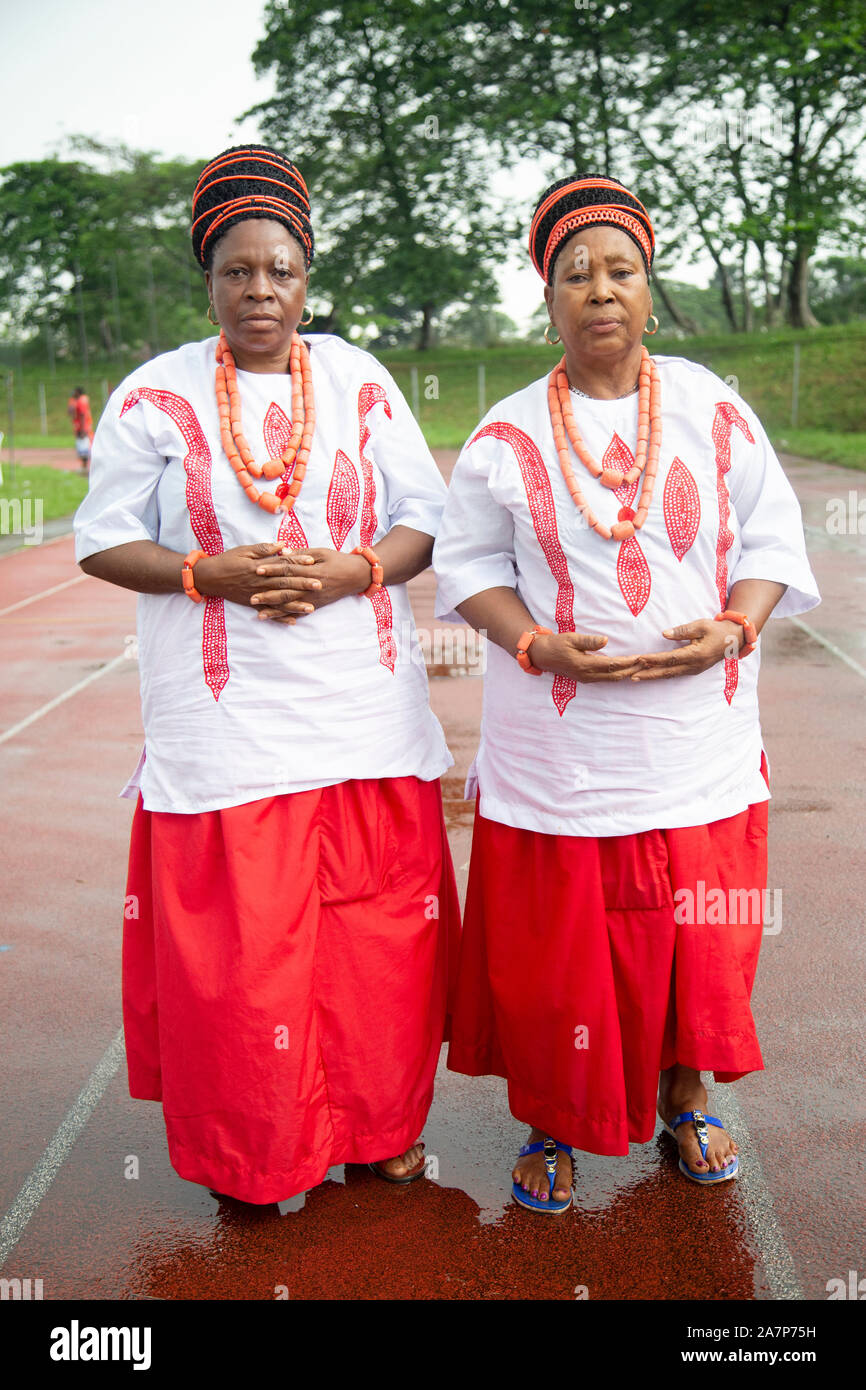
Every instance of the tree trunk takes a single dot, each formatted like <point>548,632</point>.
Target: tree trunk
<point>748,309</point>
<point>105,335</point>
<point>771,313</point>
<point>681,320</point>
<point>727,297</point>
<point>425,334</point>
<point>799,313</point>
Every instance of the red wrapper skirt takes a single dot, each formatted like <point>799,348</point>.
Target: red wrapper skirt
<point>578,983</point>
<point>286,982</point>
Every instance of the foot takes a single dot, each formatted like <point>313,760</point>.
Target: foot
<point>530,1172</point>
<point>404,1164</point>
<point>681,1089</point>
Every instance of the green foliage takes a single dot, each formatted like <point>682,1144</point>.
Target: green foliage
<point>385,139</point>
<point>58,491</point>
<point>740,127</point>
<point>96,260</point>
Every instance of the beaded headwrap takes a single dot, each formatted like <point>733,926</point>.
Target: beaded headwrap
<point>249,181</point>
<point>567,206</point>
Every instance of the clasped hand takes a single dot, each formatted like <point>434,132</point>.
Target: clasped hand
<point>282,584</point>
<point>582,658</point>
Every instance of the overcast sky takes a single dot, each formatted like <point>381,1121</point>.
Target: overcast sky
<point>171,76</point>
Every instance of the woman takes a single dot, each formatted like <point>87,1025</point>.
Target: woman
<point>285,981</point>
<point>622,531</point>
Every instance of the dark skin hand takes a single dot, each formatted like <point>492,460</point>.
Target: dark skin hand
<point>301,581</point>
<point>581,656</point>
<point>284,585</point>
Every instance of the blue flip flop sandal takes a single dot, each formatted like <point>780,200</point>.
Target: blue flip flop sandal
<point>700,1122</point>
<point>550,1147</point>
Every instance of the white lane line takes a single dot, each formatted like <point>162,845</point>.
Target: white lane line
<point>831,647</point>
<point>38,1181</point>
<point>34,598</point>
<point>59,699</point>
<point>761,1210</point>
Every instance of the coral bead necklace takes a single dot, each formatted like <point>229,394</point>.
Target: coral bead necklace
<point>649,439</point>
<point>296,453</point>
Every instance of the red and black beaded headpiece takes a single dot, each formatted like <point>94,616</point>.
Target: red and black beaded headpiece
<point>249,181</point>
<point>586,201</point>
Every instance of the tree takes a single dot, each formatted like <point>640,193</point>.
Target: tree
<point>741,126</point>
<point>99,257</point>
<point>385,141</point>
<point>788,88</point>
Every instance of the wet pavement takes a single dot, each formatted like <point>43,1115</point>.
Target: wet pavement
<point>791,1223</point>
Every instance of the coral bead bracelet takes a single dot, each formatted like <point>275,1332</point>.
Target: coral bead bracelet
<point>187,575</point>
<point>749,630</point>
<point>378,574</point>
<point>524,643</point>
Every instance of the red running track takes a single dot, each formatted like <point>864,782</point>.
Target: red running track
<point>793,1220</point>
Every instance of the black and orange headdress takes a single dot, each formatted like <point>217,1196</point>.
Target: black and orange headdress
<point>249,181</point>
<point>586,201</point>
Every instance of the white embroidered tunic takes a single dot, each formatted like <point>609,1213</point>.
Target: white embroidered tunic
<point>235,709</point>
<point>617,758</point>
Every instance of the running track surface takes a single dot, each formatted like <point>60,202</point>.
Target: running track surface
<point>71,1217</point>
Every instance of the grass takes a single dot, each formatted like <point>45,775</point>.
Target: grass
<point>59,493</point>
<point>42,441</point>
<point>831,417</point>
<point>847,450</point>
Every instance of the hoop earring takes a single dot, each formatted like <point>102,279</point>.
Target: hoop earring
<point>551,342</point>
<point>651,331</point>
<point>215,322</point>
<point>302,321</point>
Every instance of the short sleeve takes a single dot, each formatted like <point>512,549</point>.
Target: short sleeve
<point>125,469</point>
<point>474,549</point>
<point>771,524</point>
<point>416,488</point>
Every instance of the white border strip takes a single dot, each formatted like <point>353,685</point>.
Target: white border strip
<point>760,1208</point>
<point>831,647</point>
<point>34,598</point>
<point>59,699</point>
<point>38,1181</point>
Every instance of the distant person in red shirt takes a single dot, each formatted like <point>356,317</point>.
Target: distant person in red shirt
<point>82,424</point>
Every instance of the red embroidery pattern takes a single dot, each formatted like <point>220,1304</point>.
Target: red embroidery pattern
<point>633,575</point>
<point>369,395</point>
<point>277,431</point>
<point>632,571</point>
<point>539,495</point>
<point>681,506</point>
<point>344,495</point>
<point>726,417</point>
<point>199,500</point>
